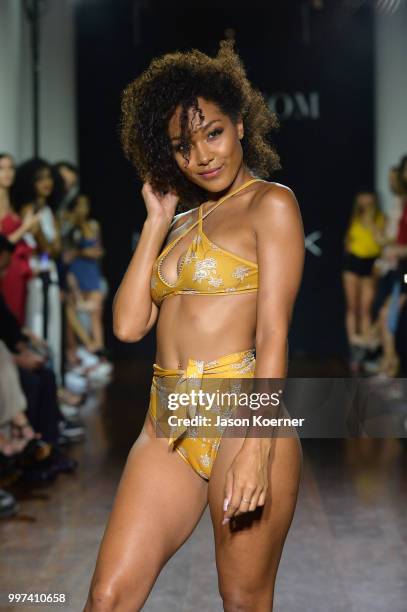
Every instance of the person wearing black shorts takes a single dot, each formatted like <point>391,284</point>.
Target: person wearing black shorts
<point>362,247</point>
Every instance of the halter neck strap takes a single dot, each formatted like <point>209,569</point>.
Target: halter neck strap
<point>201,217</point>
<point>226,197</point>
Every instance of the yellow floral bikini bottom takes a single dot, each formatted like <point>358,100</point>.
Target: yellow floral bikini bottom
<point>177,410</point>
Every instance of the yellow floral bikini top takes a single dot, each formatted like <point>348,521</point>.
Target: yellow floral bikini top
<point>206,269</point>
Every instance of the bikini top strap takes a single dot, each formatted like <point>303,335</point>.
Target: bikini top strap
<point>201,217</point>
<point>226,197</point>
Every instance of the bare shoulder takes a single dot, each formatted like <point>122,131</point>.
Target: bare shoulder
<point>273,199</point>
<point>274,208</point>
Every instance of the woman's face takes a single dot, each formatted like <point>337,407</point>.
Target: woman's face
<point>7,172</point>
<point>81,209</point>
<point>44,183</point>
<point>366,202</point>
<point>69,177</point>
<point>216,154</point>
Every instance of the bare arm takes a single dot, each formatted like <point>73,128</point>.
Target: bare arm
<point>134,312</point>
<point>29,222</point>
<point>32,220</point>
<point>96,251</point>
<point>347,241</point>
<point>17,234</point>
<point>280,255</point>
<point>379,231</point>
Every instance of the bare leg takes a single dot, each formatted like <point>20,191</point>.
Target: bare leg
<point>78,328</point>
<point>351,285</point>
<point>71,342</point>
<point>96,317</point>
<point>374,339</point>
<point>390,362</point>
<point>159,501</point>
<point>388,343</point>
<point>248,550</point>
<point>367,292</point>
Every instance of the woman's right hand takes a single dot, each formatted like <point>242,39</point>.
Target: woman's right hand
<point>160,207</point>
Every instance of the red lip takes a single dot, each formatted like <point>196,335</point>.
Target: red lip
<point>211,173</point>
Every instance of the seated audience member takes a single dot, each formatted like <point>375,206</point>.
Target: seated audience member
<point>14,281</point>
<point>37,381</point>
<point>15,429</point>
<point>85,267</point>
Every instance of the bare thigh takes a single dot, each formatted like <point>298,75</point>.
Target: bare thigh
<point>96,296</point>
<point>248,549</point>
<point>367,293</point>
<point>351,284</point>
<point>159,501</point>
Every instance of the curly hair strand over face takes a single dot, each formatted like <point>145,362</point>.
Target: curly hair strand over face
<point>176,80</point>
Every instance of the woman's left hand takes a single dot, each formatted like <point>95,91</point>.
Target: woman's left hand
<point>247,478</point>
<point>34,339</point>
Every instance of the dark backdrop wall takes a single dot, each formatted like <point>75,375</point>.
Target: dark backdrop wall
<point>316,69</point>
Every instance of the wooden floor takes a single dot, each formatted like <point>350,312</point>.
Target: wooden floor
<point>346,551</point>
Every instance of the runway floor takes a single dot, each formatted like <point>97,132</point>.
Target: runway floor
<point>346,550</point>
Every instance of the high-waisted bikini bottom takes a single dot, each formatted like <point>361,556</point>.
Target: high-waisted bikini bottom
<point>197,445</point>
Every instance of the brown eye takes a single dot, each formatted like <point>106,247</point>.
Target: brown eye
<point>215,133</point>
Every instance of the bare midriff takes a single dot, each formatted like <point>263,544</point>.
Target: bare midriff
<point>204,327</point>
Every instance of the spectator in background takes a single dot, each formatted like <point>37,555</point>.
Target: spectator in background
<point>69,181</point>
<point>401,240</point>
<point>395,257</point>
<point>12,400</point>
<point>363,241</point>
<point>402,228</point>
<point>394,214</point>
<point>66,178</point>
<point>85,267</point>
<point>33,192</point>
<point>37,380</point>
<point>13,405</point>
<point>14,281</point>
<point>386,302</point>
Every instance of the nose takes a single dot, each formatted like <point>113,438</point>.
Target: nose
<point>204,156</point>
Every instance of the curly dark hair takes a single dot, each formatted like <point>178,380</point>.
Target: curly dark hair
<point>23,191</point>
<point>178,79</point>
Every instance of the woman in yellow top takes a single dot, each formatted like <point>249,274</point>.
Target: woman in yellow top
<point>222,292</point>
<point>363,241</point>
